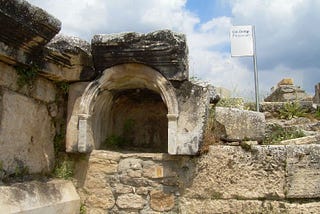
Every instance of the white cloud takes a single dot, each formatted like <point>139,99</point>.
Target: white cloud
<point>287,35</point>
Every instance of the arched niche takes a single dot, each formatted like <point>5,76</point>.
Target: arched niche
<point>92,118</point>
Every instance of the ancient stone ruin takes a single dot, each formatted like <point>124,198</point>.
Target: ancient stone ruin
<point>286,91</point>
<point>143,80</point>
<point>116,126</point>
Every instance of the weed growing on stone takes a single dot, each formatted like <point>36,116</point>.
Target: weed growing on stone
<point>231,103</point>
<point>279,134</point>
<point>83,209</point>
<point>26,75</point>
<point>209,137</point>
<point>21,171</point>
<point>120,141</point>
<point>291,110</point>
<point>64,169</point>
<point>317,113</point>
<point>63,86</point>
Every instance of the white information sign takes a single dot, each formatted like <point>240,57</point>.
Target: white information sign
<point>242,40</point>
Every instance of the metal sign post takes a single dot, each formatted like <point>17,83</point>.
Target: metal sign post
<point>243,44</point>
<point>256,82</point>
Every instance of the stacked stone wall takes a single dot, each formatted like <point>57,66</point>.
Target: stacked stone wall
<point>229,179</point>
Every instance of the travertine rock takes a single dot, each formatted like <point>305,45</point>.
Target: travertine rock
<point>236,125</point>
<point>160,201</point>
<point>193,106</point>
<point>68,58</point>
<point>303,163</point>
<point>232,172</point>
<point>207,206</point>
<point>56,196</point>
<point>131,201</point>
<point>26,132</point>
<point>30,29</point>
<point>100,198</point>
<point>313,139</point>
<point>163,50</point>
<point>42,89</point>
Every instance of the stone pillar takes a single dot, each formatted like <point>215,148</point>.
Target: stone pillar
<point>172,133</point>
<point>85,137</point>
<point>316,98</point>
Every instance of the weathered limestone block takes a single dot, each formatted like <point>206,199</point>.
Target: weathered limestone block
<point>236,125</point>
<point>232,172</point>
<point>164,50</point>
<point>100,198</point>
<point>30,29</point>
<point>42,89</point>
<point>131,201</point>
<point>208,206</point>
<point>160,201</point>
<point>56,196</point>
<point>68,58</point>
<point>193,105</point>
<point>312,139</point>
<point>303,169</point>
<point>26,134</point>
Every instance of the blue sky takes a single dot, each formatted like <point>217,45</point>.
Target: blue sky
<point>286,32</point>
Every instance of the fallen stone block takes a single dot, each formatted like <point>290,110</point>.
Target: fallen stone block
<point>232,124</point>
<point>56,196</point>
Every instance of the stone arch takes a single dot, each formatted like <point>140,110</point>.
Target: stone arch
<point>97,99</point>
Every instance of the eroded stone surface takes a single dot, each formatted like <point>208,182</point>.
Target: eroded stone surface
<point>18,148</point>
<point>207,206</point>
<point>131,201</point>
<point>303,164</point>
<point>30,29</point>
<point>56,196</point>
<point>193,106</point>
<point>163,50</point>
<point>160,201</point>
<point>232,172</point>
<point>68,58</point>
<point>236,125</point>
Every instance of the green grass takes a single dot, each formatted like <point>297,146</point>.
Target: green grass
<point>279,134</point>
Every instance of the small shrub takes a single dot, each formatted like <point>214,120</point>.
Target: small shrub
<point>118,141</point>
<point>317,113</point>
<point>83,209</point>
<point>291,110</point>
<point>63,86</point>
<point>279,134</point>
<point>26,75</point>
<point>115,142</point>
<point>64,169</point>
<point>21,171</point>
